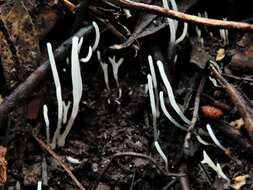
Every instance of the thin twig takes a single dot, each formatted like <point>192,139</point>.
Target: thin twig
<point>194,115</point>
<point>25,89</point>
<point>244,109</point>
<point>182,16</point>
<point>59,160</point>
<point>139,155</point>
<point>237,78</point>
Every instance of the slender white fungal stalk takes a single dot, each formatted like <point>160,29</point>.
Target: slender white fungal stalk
<point>221,173</point>
<point>160,151</point>
<point>213,137</point>
<point>95,45</point>
<point>205,14</point>
<point>80,43</point>
<point>224,35</point>
<point>45,114</point>
<point>77,86</point>
<point>67,61</point>
<point>105,70</point>
<point>154,119</point>
<point>97,32</point>
<point>198,31</point>
<point>207,160</point>
<point>115,70</point>
<point>115,67</point>
<point>199,34</point>
<point>88,57</point>
<point>183,35</point>
<point>65,111</point>
<point>174,7</point>
<point>152,71</point>
<point>171,24</point>
<point>166,113</point>
<point>170,93</point>
<point>58,94</point>
<point>152,104</point>
<point>39,185</point>
<point>214,81</point>
<point>202,141</point>
<point>127,13</point>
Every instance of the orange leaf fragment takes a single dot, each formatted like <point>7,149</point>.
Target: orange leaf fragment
<point>211,112</point>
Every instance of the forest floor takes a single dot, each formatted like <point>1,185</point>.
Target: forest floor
<point>154,111</point>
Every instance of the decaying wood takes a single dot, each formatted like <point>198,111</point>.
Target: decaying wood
<point>25,89</point>
<point>182,16</point>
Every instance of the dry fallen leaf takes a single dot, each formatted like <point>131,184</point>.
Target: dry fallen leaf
<point>220,54</point>
<point>237,124</point>
<point>20,31</point>
<point>239,181</point>
<point>20,35</point>
<point>211,112</point>
<point>199,56</point>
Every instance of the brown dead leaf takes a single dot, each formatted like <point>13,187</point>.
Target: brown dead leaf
<point>3,165</point>
<point>20,35</point>
<point>199,56</point>
<point>21,30</point>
